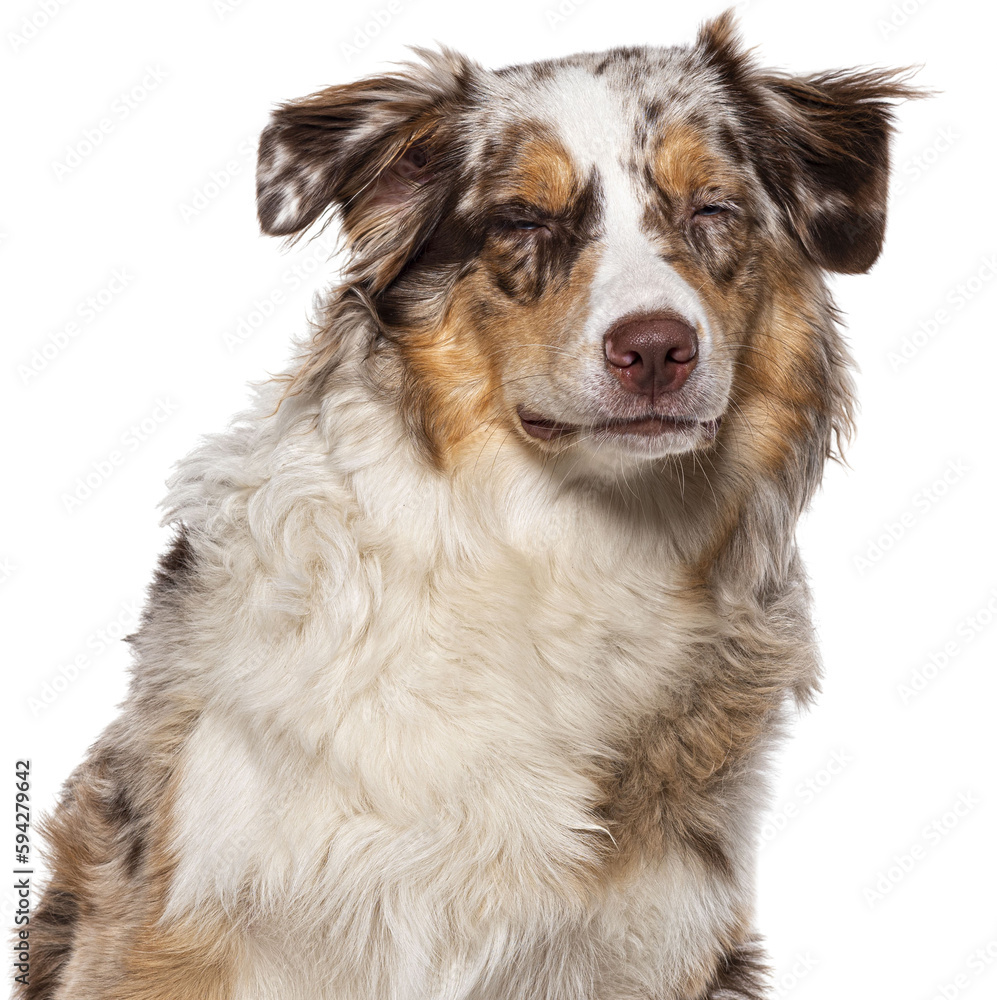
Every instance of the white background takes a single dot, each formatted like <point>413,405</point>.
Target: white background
<point>156,220</point>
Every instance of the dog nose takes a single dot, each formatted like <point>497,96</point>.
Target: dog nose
<point>651,354</point>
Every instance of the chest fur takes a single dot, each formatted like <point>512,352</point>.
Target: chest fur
<point>451,729</point>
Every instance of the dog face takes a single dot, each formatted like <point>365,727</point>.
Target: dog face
<point>583,252</point>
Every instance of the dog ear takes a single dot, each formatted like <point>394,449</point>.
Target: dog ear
<point>376,152</point>
<point>821,144</point>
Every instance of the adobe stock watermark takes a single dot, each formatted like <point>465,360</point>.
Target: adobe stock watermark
<point>223,8</point>
<point>120,109</point>
<point>560,12</point>
<point>898,527</point>
<point>103,468</point>
<point>787,980</point>
<point>980,961</point>
<point>368,30</point>
<point>7,569</point>
<point>918,164</point>
<point>264,307</point>
<point>32,25</point>
<point>956,299</point>
<point>932,836</point>
<point>218,181</point>
<point>88,310</point>
<point>8,907</point>
<point>97,642</point>
<point>937,662</point>
<point>804,794</point>
<point>899,17</point>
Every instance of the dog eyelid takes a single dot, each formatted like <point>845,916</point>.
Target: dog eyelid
<point>520,218</point>
<point>710,208</point>
<point>516,225</point>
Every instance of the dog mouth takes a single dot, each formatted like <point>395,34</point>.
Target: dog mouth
<point>651,426</point>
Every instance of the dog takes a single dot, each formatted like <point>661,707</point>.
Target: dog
<point>460,678</point>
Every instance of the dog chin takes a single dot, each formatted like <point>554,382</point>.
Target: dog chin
<point>638,439</point>
<point>648,440</point>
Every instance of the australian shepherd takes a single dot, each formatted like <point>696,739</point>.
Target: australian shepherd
<point>461,675</point>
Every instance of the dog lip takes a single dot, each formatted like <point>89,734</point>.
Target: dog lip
<point>649,426</point>
<point>547,430</point>
<point>540,427</point>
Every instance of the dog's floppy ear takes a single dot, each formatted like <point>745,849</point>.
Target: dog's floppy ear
<point>376,151</point>
<point>821,144</point>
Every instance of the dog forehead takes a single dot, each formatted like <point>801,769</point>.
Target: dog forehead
<point>603,112</point>
<point>595,123</point>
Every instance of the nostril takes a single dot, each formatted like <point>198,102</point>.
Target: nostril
<point>621,350</point>
<point>624,360</point>
<point>682,354</point>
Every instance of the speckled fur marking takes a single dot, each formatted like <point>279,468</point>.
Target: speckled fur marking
<point>428,701</point>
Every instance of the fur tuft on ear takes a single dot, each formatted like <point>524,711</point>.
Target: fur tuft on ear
<point>719,40</point>
<point>375,151</point>
<point>821,145</point>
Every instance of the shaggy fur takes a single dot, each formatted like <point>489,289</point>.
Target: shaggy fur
<point>461,675</point>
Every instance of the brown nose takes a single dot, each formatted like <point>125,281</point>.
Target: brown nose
<point>651,354</point>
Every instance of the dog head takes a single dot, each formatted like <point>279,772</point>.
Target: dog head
<point>608,254</point>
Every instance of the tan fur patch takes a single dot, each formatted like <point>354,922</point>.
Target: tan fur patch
<point>98,932</point>
<point>684,163</point>
<point>782,387</point>
<point>542,175</point>
<point>464,373</point>
<point>452,384</point>
<point>192,962</point>
<point>665,791</point>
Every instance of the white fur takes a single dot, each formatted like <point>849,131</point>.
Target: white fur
<point>404,695</point>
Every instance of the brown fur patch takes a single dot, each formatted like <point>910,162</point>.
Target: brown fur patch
<point>690,168</point>
<point>53,932</point>
<point>451,385</point>
<point>790,404</point>
<point>784,382</point>
<point>98,932</point>
<point>666,789</point>
<point>821,145</point>
<point>685,164</point>
<point>459,374</point>
<point>195,961</point>
<point>177,565</point>
<point>511,291</point>
<point>742,974</point>
<point>538,173</point>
